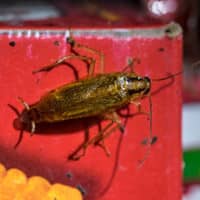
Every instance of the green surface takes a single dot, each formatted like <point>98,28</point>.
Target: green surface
<point>192,165</point>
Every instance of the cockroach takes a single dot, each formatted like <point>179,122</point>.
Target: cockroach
<point>96,95</point>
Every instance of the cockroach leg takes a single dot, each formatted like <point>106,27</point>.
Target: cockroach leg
<point>74,155</point>
<point>26,106</point>
<point>104,147</point>
<point>131,64</point>
<point>74,44</point>
<point>99,138</point>
<point>63,60</point>
<point>87,142</point>
<point>138,106</point>
<point>106,132</point>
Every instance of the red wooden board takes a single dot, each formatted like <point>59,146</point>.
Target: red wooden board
<point>101,177</point>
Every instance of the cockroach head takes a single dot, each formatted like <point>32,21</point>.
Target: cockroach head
<point>138,85</point>
<point>21,122</point>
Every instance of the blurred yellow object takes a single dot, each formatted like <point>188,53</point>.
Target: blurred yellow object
<point>14,185</point>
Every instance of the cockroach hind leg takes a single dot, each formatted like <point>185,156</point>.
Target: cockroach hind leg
<point>62,60</point>
<point>51,66</point>
<point>75,156</point>
<point>99,140</point>
<point>104,147</point>
<point>74,44</point>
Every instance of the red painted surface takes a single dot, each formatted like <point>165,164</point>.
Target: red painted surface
<point>45,153</point>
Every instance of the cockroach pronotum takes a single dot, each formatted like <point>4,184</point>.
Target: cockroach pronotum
<point>96,95</point>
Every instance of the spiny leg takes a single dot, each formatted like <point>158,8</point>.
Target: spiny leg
<point>74,45</point>
<point>99,138</point>
<point>74,155</point>
<point>115,119</point>
<point>94,141</point>
<point>62,60</point>
<point>83,147</point>
<point>131,64</point>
